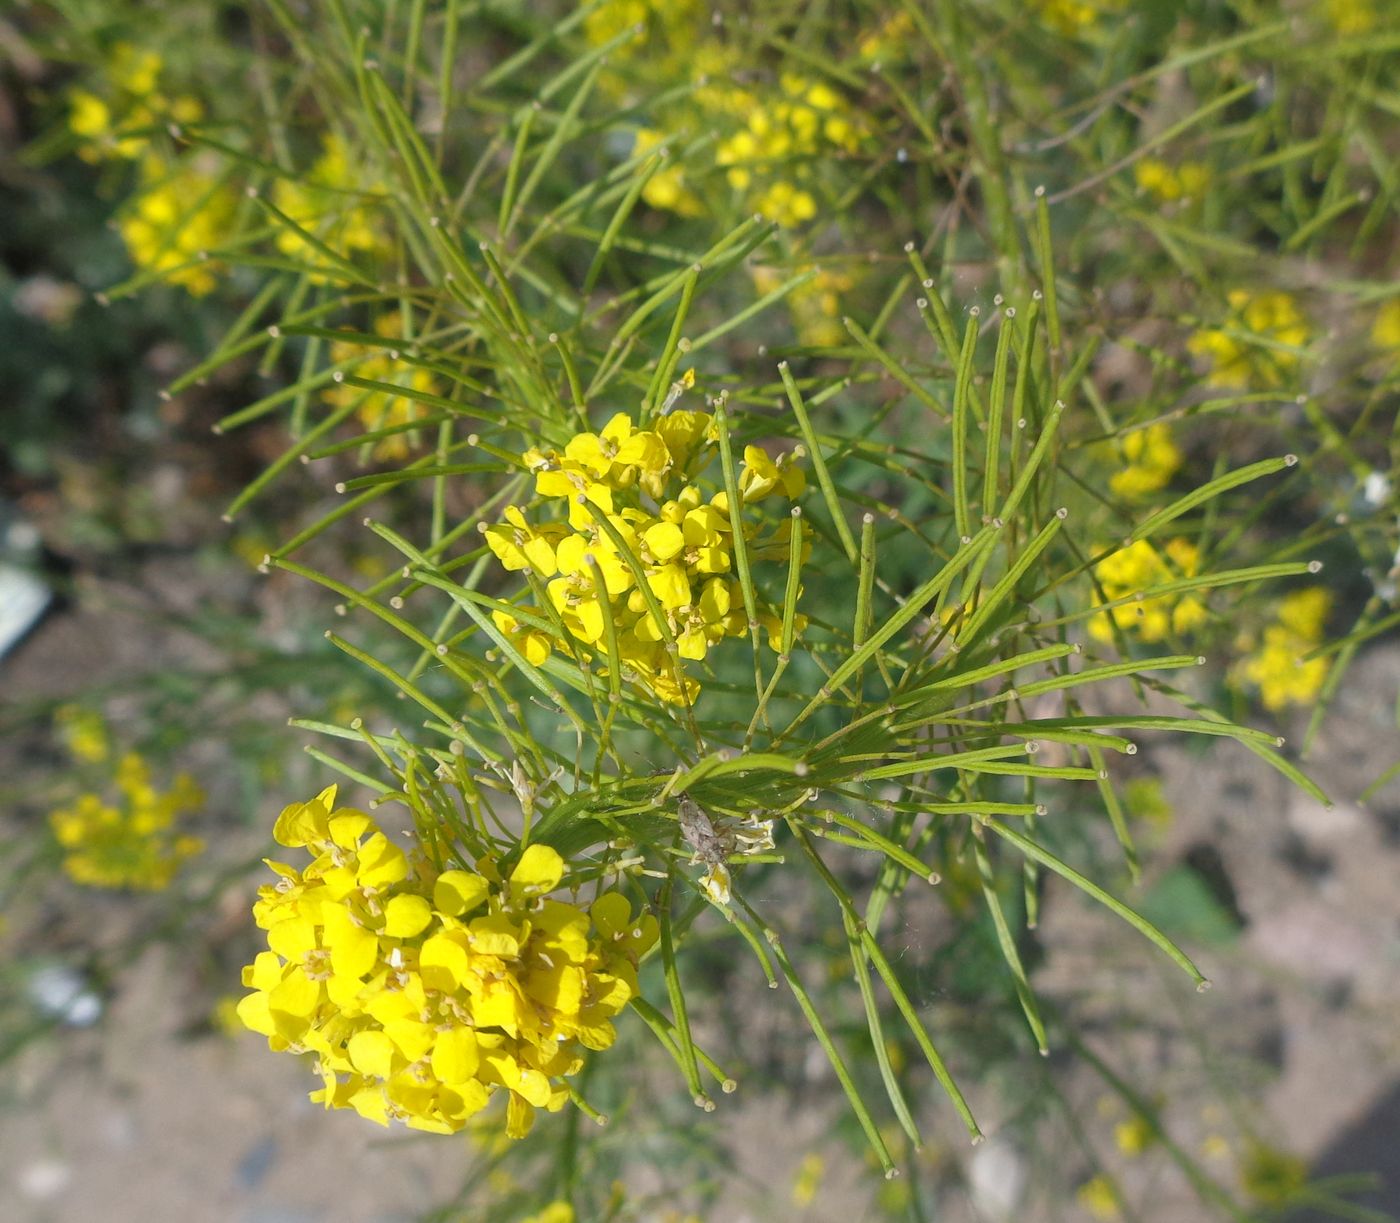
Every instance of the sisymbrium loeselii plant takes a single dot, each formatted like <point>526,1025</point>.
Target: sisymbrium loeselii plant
<point>757,497</point>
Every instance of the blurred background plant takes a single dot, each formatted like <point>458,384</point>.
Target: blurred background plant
<point>1067,330</point>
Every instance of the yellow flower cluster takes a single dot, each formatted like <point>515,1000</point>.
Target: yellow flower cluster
<point>132,844</point>
<point>770,159</point>
<point>777,137</point>
<point>423,993</point>
<point>815,306</point>
<point>1257,347</point>
<point>1150,460</point>
<point>1273,665</point>
<point>381,409</point>
<point>182,212</point>
<point>682,542</point>
<point>668,29</point>
<point>116,124</point>
<point>889,40</point>
<point>1168,184</point>
<point>1136,568</point>
<point>330,202</point>
<point>1073,16</point>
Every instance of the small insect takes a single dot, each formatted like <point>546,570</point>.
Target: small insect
<point>713,845</point>
<point>678,388</point>
<point>710,845</point>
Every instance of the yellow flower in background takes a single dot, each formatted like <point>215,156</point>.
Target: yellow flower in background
<point>1134,1136</point>
<point>809,1179</point>
<point>224,1016</point>
<point>1168,184</point>
<point>132,843</point>
<point>815,305</point>
<point>1385,331</point>
<point>1274,665</point>
<point>1098,1198</point>
<point>1244,353</point>
<point>84,733</point>
<point>1138,567</point>
<point>1272,1177</point>
<point>679,539</point>
<point>1350,16</point>
<point>786,204</point>
<point>1074,16</point>
<point>889,40</point>
<point>383,409</point>
<point>183,211</point>
<point>555,1212</point>
<point>425,993</point>
<point>786,134</point>
<point>666,189</point>
<point>1150,459</point>
<point>334,203</point>
<point>116,121</point>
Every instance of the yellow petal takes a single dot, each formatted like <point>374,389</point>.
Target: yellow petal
<point>303,823</point>
<point>253,1010</point>
<point>494,935</point>
<point>443,962</point>
<point>405,916</point>
<point>372,1053</point>
<point>520,1117</point>
<point>665,540</point>
<point>670,586</point>
<point>381,863</point>
<point>539,870</point>
<point>455,1055</point>
<point>458,892</point>
<point>611,914</point>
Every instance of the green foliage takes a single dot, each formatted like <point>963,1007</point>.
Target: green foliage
<point>1058,362</point>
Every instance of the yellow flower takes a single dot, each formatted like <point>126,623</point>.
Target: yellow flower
<point>680,544</point>
<point>1169,184</point>
<point>786,204</point>
<point>1074,16</point>
<point>666,189</point>
<point>135,71</point>
<point>1273,665</point>
<point>133,843</point>
<point>1098,1198</point>
<point>182,212</point>
<point>1260,344</point>
<point>1134,1136</point>
<point>555,1212</point>
<point>815,305</point>
<point>1136,568</point>
<point>1150,459</point>
<point>422,993</point>
<point>1351,16</point>
<point>888,40</point>
<point>333,204</point>
<point>809,1179</point>
<point>761,476</point>
<point>1385,332</point>
<point>383,409</point>
<point>84,733</point>
<point>770,158</point>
